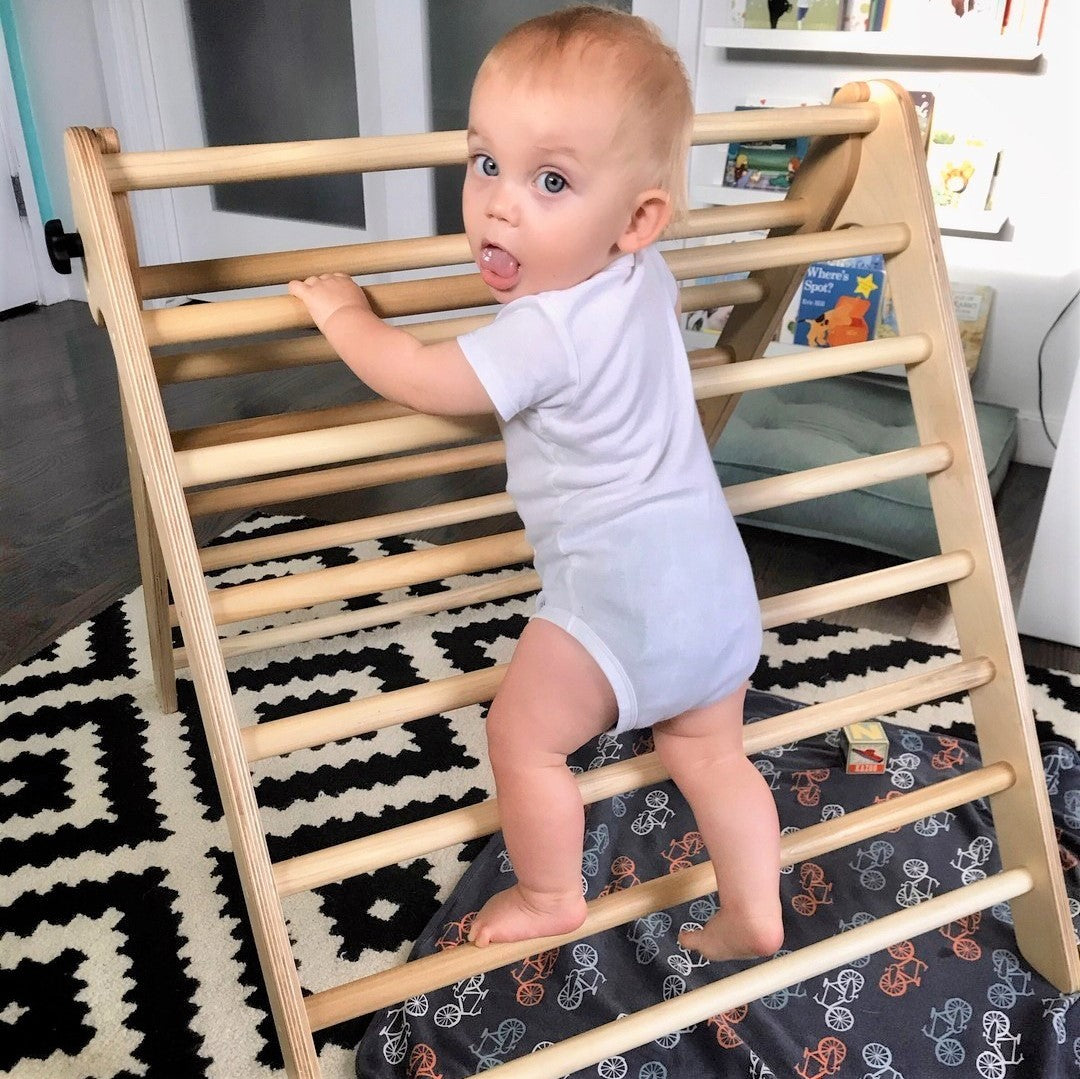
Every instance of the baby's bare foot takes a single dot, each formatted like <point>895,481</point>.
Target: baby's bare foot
<point>728,936</point>
<point>512,915</point>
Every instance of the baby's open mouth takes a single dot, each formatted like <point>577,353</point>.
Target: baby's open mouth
<point>498,267</point>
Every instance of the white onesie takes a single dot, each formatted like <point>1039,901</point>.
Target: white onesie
<point>638,555</point>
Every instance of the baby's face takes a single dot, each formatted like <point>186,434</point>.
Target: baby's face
<point>547,197</point>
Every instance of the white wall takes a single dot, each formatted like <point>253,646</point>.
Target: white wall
<point>1034,108</point>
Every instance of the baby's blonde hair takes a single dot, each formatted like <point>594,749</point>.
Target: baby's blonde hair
<point>658,111</point>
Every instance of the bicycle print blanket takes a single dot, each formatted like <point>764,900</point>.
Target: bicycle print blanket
<point>956,1002</point>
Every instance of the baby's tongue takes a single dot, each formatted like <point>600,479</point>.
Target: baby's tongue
<point>498,262</point>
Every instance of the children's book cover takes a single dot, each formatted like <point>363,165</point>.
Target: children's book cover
<point>765,166</point>
<point>838,305</point>
<point>856,15</point>
<point>967,18</point>
<point>923,100</point>
<point>961,167</point>
<point>793,14</point>
<point>972,304</point>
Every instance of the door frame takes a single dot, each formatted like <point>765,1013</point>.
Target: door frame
<point>48,285</point>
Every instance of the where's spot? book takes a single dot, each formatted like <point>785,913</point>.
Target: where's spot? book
<point>839,303</point>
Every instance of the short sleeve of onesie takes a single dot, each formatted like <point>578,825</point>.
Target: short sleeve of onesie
<point>522,358</point>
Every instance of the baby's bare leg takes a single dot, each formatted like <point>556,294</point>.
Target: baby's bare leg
<point>736,815</point>
<point>553,699</point>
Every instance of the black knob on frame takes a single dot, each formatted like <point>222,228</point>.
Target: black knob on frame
<point>62,246</point>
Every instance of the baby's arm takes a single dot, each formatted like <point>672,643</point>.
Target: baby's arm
<point>436,378</point>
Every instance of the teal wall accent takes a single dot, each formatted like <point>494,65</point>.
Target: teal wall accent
<point>26,113</point>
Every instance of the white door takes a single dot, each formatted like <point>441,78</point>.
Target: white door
<point>385,63</point>
<point>380,65</point>
<point>18,280</point>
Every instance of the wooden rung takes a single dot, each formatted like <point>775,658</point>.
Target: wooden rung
<point>722,380</point>
<point>308,449</point>
<point>310,350</point>
<point>269,492</point>
<point>283,423</point>
<point>311,629</point>
<point>376,991</point>
<point>305,540</point>
<point>871,587</point>
<point>270,314</point>
<point>365,855</point>
<point>697,1006</point>
<point>279,354</point>
<point>720,294</point>
<point>236,603</point>
<point>743,498</point>
<point>415,253</point>
<point>798,249</point>
<point>833,479</point>
<point>194,167</point>
<point>371,713</point>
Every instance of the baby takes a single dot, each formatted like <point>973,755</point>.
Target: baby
<point>579,129</point>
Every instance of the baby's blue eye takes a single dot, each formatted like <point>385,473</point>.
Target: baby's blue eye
<point>485,165</point>
<point>552,182</point>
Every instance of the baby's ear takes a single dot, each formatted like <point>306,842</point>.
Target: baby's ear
<point>651,215</point>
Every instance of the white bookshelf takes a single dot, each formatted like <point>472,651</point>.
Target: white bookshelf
<point>879,43</point>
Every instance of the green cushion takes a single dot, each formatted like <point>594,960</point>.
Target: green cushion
<point>799,426</point>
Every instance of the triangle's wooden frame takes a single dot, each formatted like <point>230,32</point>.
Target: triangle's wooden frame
<point>861,190</point>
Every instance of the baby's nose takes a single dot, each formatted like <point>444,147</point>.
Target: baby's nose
<point>503,204</point>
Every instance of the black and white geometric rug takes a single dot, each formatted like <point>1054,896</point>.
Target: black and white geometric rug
<point>123,943</point>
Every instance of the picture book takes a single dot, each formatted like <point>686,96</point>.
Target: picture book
<point>923,100</point>
<point>838,304</point>
<point>793,14</point>
<point>981,18</point>
<point>961,167</point>
<point>764,166</point>
<point>856,15</point>
<point>972,305</point>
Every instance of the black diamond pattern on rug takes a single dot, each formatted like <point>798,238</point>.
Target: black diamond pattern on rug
<point>124,946</point>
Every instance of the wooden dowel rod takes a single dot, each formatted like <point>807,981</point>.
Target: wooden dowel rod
<point>201,165</point>
<point>757,125</point>
<point>201,322</point>
<point>630,1031</point>
<point>414,253</point>
<point>870,587</point>
<point>775,251</point>
<point>304,540</point>
<point>282,423</point>
<point>280,354</point>
<point>833,479</point>
<point>727,379</point>
<point>720,294</point>
<point>444,968</point>
<point>356,477</point>
<point>197,166</point>
<point>311,350</point>
<point>415,840</point>
<point>307,449</point>
<point>312,629</point>
<point>743,498</point>
<point>236,603</point>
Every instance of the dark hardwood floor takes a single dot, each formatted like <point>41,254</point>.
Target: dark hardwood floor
<point>66,540</point>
